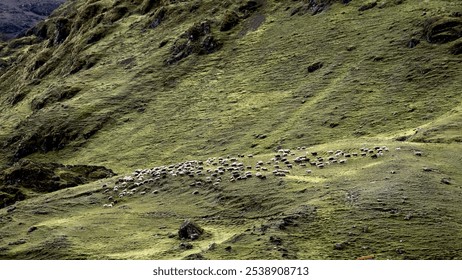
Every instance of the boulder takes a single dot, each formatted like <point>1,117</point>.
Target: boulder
<point>190,230</point>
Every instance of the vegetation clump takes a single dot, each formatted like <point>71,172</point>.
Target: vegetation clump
<point>230,20</point>
<point>54,95</point>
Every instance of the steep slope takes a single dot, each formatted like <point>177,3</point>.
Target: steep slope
<point>136,84</point>
<point>16,16</point>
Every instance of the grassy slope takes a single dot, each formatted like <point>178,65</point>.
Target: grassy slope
<point>405,214</point>
<point>371,86</point>
<point>361,96</point>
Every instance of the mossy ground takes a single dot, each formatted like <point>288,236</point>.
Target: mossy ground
<point>371,89</point>
<point>392,207</point>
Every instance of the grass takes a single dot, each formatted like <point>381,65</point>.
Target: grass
<point>371,90</point>
<point>407,214</point>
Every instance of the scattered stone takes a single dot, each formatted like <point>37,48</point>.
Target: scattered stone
<point>228,248</point>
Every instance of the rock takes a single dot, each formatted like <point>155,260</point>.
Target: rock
<point>186,246</point>
<point>194,236</point>
<point>408,217</point>
<point>339,246</point>
<point>446,181</point>
<point>197,39</point>
<point>49,177</point>
<point>315,66</point>
<point>32,229</point>
<point>456,49</point>
<point>275,240</point>
<point>209,45</point>
<point>367,6</point>
<point>248,8</point>
<point>190,230</point>
<point>413,43</point>
<point>230,20</point>
<point>10,209</point>
<point>18,242</point>
<point>351,48</point>
<point>159,17</point>
<point>212,247</point>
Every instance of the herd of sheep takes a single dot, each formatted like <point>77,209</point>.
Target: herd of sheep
<point>213,171</point>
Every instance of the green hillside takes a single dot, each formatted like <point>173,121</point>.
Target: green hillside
<point>373,89</point>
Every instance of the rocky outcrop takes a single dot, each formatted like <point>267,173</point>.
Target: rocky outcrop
<point>45,177</point>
